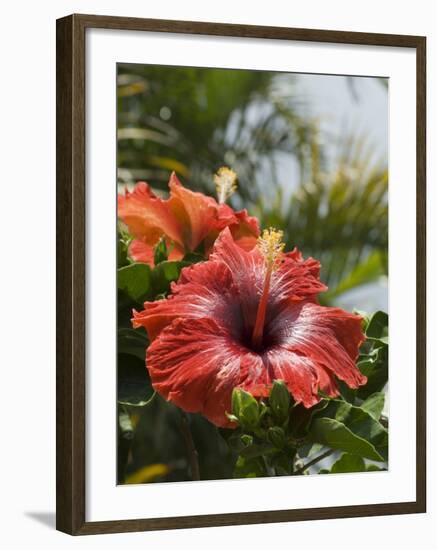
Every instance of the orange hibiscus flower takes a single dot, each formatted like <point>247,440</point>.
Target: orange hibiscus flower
<point>188,221</point>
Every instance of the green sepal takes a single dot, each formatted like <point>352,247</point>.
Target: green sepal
<point>280,400</point>
<point>245,407</point>
<point>276,436</point>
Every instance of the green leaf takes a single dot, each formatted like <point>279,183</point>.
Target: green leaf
<point>361,423</point>
<point>377,327</point>
<point>135,281</point>
<point>346,392</point>
<point>301,418</point>
<point>164,274</point>
<point>336,435</point>
<point>132,342</point>
<point>374,405</point>
<point>348,463</point>
<point>133,382</point>
<point>375,367</point>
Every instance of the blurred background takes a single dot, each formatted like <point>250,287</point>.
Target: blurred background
<point>311,154</point>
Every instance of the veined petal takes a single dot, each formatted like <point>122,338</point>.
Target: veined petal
<point>195,212</point>
<point>298,372</point>
<point>225,216</point>
<point>244,228</point>
<point>248,271</point>
<point>327,382</point>
<point>204,290</point>
<point>328,337</point>
<point>295,279</point>
<point>246,231</point>
<point>147,216</point>
<point>186,218</point>
<point>141,252</point>
<point>196,364</point>
<point>303,376</point>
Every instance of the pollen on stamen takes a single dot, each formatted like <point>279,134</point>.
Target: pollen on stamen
<point>225,182</point>
<point>271,246</point>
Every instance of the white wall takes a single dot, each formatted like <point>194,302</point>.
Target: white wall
<point>27,88</point>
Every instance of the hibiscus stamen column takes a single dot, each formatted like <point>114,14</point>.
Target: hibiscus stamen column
<point>271,246</point>
<point>226,183</point>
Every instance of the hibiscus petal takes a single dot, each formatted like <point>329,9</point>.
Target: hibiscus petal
<point>295,279</point>
<point>246,231</point>
<point>327,382</point>
<point>225,216</point>
<point>244,228</point>
<point>147,216</point>
<point>196,364</point>
<point>142,252</point>
<point>248,271</point>
<point>204,290</point>
<point>196,212</point>
<point>298,372</point>
<point>329,337</point>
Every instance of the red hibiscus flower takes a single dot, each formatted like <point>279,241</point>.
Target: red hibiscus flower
<point>186,219</point>
<point>243,319</point>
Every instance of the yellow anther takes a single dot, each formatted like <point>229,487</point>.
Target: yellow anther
<point>271,246</point>
<point>225,182</point>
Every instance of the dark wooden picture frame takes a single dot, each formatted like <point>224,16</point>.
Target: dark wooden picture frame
<point>71,247</point>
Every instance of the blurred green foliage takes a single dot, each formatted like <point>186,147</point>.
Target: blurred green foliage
<point>339,217</point>
<point>195,120</point>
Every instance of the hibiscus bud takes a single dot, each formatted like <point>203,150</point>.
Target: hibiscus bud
<point>276,436</point>
<point>245,408</point>
<point>279,400</point>
<point>246,439</point>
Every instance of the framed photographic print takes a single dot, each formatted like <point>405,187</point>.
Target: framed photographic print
<point>240,274</point>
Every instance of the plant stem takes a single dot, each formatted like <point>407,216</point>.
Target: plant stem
<point>314,461</point>
<point>193,456</point>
